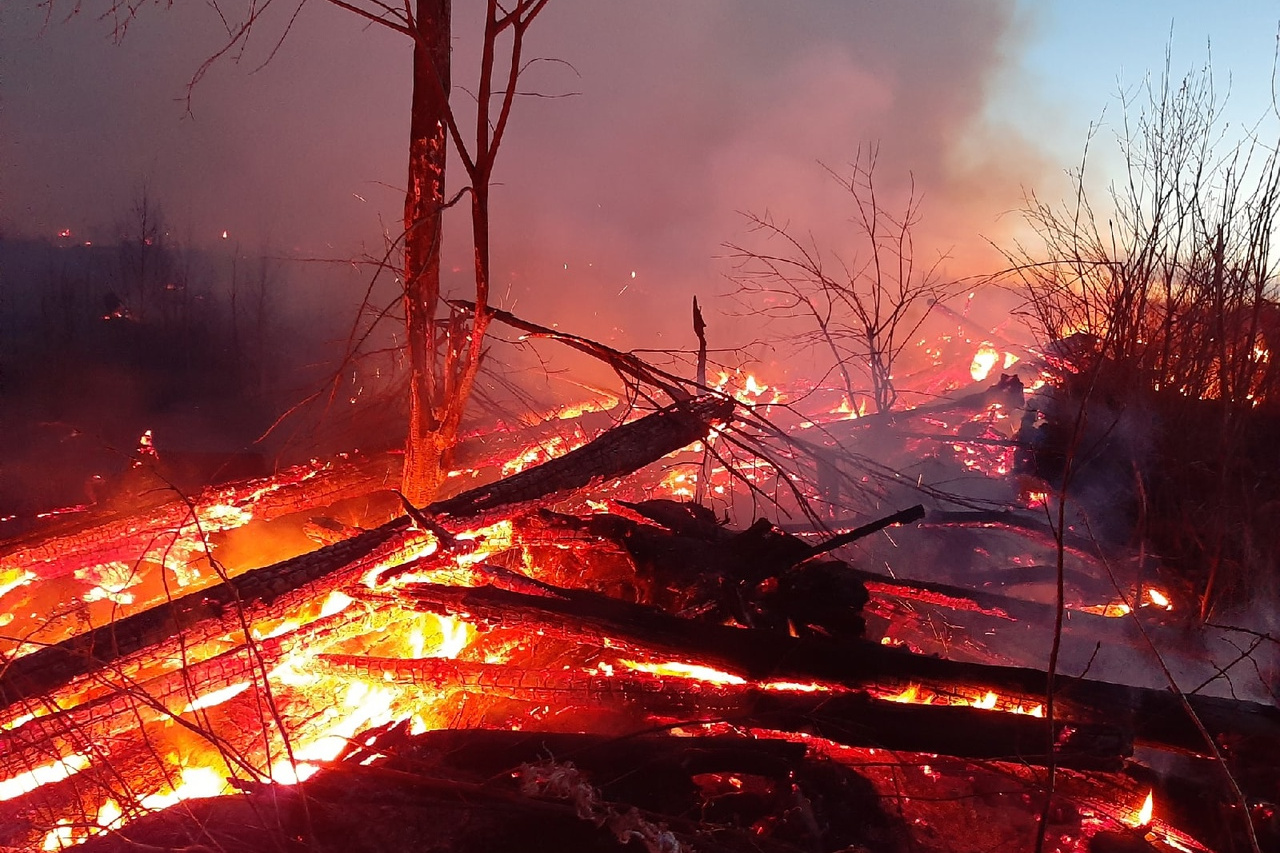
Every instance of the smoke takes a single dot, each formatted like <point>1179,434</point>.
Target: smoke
<point>684,115</point>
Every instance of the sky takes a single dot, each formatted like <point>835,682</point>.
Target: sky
<point>614,202</point>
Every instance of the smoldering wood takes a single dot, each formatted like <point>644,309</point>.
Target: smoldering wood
<point>1018,524</point>
<point>541,791</point>
<point>906,516</point>
<point>852,718</point>
<point>160,512</point>
<point>1155,717</point>
<point>168,631</point>
<point>1008,391</point>
<point>693,555</point>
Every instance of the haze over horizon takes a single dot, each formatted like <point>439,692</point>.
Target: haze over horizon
<point>678,118</point>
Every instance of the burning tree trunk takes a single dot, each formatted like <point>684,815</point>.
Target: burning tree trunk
<point>429,441</point>
<point>443,367</point>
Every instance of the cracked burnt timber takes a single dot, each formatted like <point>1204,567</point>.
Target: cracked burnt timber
<point>476,791</point>
<point>170,631</point>
<point>1155,718</point>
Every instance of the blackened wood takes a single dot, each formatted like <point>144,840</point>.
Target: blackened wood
<point>1155,717</point>
<point>906,516</point>
<point>852,718</point>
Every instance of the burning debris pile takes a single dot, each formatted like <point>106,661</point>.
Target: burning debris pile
<point>566,656</point>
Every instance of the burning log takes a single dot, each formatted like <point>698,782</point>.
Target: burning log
<point>163,515</point>
<point>1155,717</point>
<point>498,790</point>
<point>851,718</point>
<point>176,631</point>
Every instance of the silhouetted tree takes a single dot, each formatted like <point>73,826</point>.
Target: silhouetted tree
<point>863,309</point>
<point>445,344</point>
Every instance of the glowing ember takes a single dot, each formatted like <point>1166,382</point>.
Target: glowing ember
<point>25,783</point>
<point>915,694</point>
<point>217,697</point>
<point>685,670</point>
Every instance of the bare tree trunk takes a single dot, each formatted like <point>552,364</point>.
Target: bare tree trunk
<point>426,443</point>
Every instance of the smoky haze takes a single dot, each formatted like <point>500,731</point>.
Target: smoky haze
<point>676,117</point>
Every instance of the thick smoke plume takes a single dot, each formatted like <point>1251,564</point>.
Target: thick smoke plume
<point>681,116</point>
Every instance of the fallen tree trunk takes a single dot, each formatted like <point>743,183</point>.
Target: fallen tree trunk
<point>1155,717</point>
<point>851,718</point>
<point>173,631</point>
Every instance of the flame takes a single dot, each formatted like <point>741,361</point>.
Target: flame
<point>915,694</point>
<point>11,580</point>
<point>794,687</point>
<point>193,783</point>
<point>28,781</point>
<point>1158,598</point>
<point>109,814</point>
<point>1145,813</point>
<point>984,360</point>
<point>216,697</point>
<point>61,836</point>
<point>1113,610</point>
<point>749,391</point>
<point>846,411</point>
<point>685,670</point>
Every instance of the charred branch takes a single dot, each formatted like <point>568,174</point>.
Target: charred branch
<point>170,632</point>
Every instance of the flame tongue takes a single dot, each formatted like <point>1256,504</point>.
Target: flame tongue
<point>1144,814</point>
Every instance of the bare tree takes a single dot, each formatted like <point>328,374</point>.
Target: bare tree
<point>146,259</point>
<point>1170,285</point>
<point>865,311</point>
<point>444,345</point>
<point>1174,274</point>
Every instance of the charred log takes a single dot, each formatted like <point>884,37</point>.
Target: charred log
<point>849,718</point>
<point>172,630</point>
<point>543,791</point>
<point>1155,717</point>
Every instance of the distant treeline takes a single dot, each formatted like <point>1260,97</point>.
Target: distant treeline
<point>99,343</point>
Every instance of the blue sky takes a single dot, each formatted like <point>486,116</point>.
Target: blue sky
<point>1081,53</point>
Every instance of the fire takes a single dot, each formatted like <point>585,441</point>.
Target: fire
<point>685,670</point>
<point>847,411</point>
<point>25,783</point>
<point>984,360</point>
<point>749,389</point>
<point>915,694</point>
<point>1145,813</point>
<point>1158,598</point>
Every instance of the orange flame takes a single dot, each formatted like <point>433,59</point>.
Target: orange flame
<point>1144,813</point>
